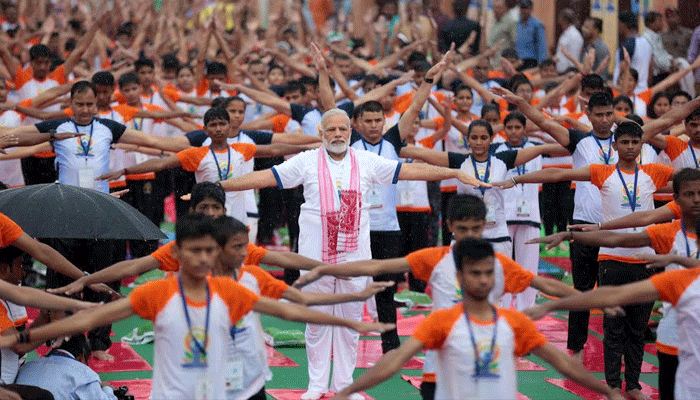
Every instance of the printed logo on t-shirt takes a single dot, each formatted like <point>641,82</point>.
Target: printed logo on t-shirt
<point>84,143</point>
<point>225,168</point>
<point>484,346</point>
<point>626,201</point>
<point>194,357</point>
<point>603,153</point>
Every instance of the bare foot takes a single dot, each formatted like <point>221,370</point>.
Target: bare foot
<point>102,355</point>
<point>636,394</point>
<point>578,355</point>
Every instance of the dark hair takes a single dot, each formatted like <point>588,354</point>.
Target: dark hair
<point>194,226</point>
<point>469,251</point>
<point>462,87</point>
<point>629,128</point>
<point>517,116</point>
<point>464,207</point>
<point>480,123</point>
<point>459,8</point>
<point>307,80</point>
<point>77,345</point>
<point>216,113</point>
<point>518,80</point>
<point>228,226</point>
<point>422,65</point>
<point>510,53</point>
<point>225,101</point>
<point>635,118</point>
<point>129,78</point>
<point>369,106</point>
<point>650,107</point>
<point>277,66</point>
<point>39,51</point>
<point>650,17</point>
<point>592,81</point>
<point>635,74</point>
<point>600,99</point>
<point>681,93</point>
<point>629,19</point>
<point>104,78</point>
<point>170,62</point>
<point>683,176</point>
<point>82,87</point>
<point>143,62</point>
<point>371,78</point>
<point>9,254</point>
<point>414,58</point>
<point>203,190</point>
<point>597,23</point>
<point>216,68</point>
<point>547,63</point>
<point>568,15</point>
<point>624,99</point>
<point>490,107</point>
<point>185,66</point>
<point>295,86</point>
<point>693,115</point>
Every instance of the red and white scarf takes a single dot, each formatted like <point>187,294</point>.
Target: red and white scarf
<point>340,227</point>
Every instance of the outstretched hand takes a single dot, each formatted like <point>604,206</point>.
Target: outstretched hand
<point>506,94</point>
<point>376,327</point>
<point>471,180</point>
<point>374,288</point>
<point>507,184</point>
<point>309,277</point>
<point>110,176</point>
<point>551,240</point>
<point>537,312</point>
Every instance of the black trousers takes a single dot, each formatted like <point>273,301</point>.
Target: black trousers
<point>414,230</point>
<point>387,244</point>
<point>668,364</point>
<point>624,335</point>
<point>39,170</point>
<point>29,392</point>
<point>270,213</point>
<point>183,181</point>
<point>445,203</point>
<point>556,206</point>
<point>427,390</point>
<point>259,396</point>
<point>584,270</point>
<point>293,199</point>
<point>90,256</point>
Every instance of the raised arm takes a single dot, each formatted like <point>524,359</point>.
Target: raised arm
<point>674,77</point>
<point>155,165</point>
<point>132,136</point>
<point>252,180</point>
<point>666,121</point>
<point>83,45</point>
<point>548,175</point>
<point>439,158</point>
<point>427,172</point>
<point>48,256</point>
<point>280,149</point>
<point>295,138</point>
<point>527,154</point>
<point>31,297</point>
<point>315,299</point>
<point>384,90</point>
<point>420,97</point>
<point>267,99</point>
<point>633,220</point>
<point>598,239</point>
<point>355,268</point>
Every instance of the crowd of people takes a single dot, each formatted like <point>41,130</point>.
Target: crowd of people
<point>396,141</point>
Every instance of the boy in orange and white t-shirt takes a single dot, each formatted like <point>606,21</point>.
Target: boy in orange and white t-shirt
<point>190,352</point>
<point>476,343</point>
<point>12,316</point>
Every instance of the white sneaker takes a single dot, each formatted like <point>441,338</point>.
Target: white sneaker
<point>356,396</point>
<point>311,395</point>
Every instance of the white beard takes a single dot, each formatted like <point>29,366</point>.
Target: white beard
<point>336,148</point>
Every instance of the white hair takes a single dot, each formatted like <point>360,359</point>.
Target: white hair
<point>332,113</point>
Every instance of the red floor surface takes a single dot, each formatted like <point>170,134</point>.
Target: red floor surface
<point>593,356</point>
<point>588,394</point>
<point>369,351</point>
<point>277,359</point>
<point>140,388</point>
<point>295,394</point>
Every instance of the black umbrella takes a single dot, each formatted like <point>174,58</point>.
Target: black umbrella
<point>61,211</point>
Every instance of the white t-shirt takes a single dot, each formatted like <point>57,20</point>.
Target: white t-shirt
<point>11,170</point>
<point>521,202</point>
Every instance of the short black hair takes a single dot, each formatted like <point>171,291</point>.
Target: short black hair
<point>681,93</point>
<point>38,51</point>
<point>518,80</point>
<point>9,254</point>
<point>308,80</point>
<point>489,107</point>
<point>185,66</point>
<point>629,19</point>
<point>194,226</point>
<point>464,207</point>
<point>470,251</point>
<point>295,86</point>
<point>515,116</point>
<point>597,23</point>
<point>462,87</point>
<point>629,128</point>
<point>170,62</point>
<point>104,78</point>
<point>624,99</point>
<point>77,345</point>
<point>129,78</point>
<point>203,190</point>
<point>226,227</point>
<point>635,118</point>
<point>82,87</point>
<point>216,113</point>
<point>650,17</point>
<point>143,62</point>
<point>683,176</point>
<point>480,123</point>
<point>421,66</point>
<point>369,106</point>
<point>600,99</point>
<point>592,81</point>
<point>459,8</point>
<point>693,115</point>
<point>225,101</point>
<point>216,68</point>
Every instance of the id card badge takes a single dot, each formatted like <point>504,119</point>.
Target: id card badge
<point>406,197</point>
<point>234,375</point>
<point>490,216</point>
<point>522,208</point>
<point>86,176</point>
<point>204,390</point>
<point>375,196</point>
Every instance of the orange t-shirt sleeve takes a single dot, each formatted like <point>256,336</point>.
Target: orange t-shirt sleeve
<point>439,122</point>
<point>422,262</point>
<point>675,209</point>
<point>402,102</point>
<point>662,236</point>
<point>269,285</point>
<point>570,104</point>
<point>527,337</point>
<point>279,123</point>
<point>149,299</point>
<point>672,284</point>
<point>9,231</point>
<point>59,74</point>
<point>246,149</point>
<point>675,146</point>
<point>164,255</point>
<point>645,95</point>
<point>22,76</point>
<point>255,254</point>
<point>428,142</point>
<point>659,174</point>
<point>172,93</point>
<point>68,111</point>
<point>127,112</point>
<point>434,330</point>
<point>599,173</point>
<point>515,278</point>
<point>119,97</point>
<point>5,321</point>
<point>240,300</point>
<point>191,158</point>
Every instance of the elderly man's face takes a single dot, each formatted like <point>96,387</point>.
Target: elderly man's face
<point>336,133</point>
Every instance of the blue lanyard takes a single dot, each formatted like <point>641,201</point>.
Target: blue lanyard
<point>222,177</point>
<point>381,144</point>
<point>485,179</point>
<point>692,151</point>
<point>687,245</point>
<point>519,168</point>
<point>200,346</point>
<point>83,145</point>
<point>482,366</point>
<point>605,158</point>
<point>633,198</point>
